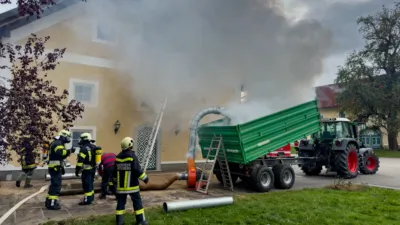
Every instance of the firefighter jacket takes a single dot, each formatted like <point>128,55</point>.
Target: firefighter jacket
<point>57,154</point>
<point>107,161</point>
<point>27,159</point>
<point>127,172</point>
<point>86,157</point>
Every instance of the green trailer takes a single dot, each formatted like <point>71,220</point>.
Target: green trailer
<point>246,145</point>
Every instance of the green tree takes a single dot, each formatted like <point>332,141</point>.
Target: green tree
<point>370,77</point>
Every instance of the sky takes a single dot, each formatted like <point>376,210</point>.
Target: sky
<point>338,15</point>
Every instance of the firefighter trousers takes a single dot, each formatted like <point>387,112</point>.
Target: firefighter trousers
<point>54,189</point>
<point>137,206</point>
<point>87,185</point>
<point>27,174</point>
<point>107,181</point>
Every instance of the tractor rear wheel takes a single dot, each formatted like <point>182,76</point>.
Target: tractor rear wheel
<point>346,162</point>
<point>284,176</point>
<point>369,163</point>
<point>263,180</point>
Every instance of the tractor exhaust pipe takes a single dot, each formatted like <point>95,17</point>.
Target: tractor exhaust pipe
<point>194,204</point>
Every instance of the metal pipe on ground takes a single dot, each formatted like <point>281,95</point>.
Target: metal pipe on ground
<point>143,187</point>
<point>194,204</point>
<point>67,176</point>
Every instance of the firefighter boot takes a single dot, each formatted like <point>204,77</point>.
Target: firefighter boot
<point>54,205</point>
<point>140,220</point>
<point>120,220</point>
<point>102,196</point>
<point>28,183</point>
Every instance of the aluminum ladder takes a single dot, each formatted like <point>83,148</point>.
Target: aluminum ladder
<point>213,154</point>
<point>152,138</point>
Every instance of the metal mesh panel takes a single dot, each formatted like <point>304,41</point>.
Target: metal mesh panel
<point>141,144</point>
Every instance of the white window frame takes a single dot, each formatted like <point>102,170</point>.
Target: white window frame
<point>81,128</point>
<point>96,39</point>
<point>95,97</point>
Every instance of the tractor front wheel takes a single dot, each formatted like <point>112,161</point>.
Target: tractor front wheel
<point>346,162</point>
<point>369,163</point>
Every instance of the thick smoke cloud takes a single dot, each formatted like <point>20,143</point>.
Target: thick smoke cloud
<point>199,53</point>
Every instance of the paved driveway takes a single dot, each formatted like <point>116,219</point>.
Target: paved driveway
<point>32,212</point>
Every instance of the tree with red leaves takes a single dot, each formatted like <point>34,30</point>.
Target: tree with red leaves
<point>30,107</point>
<point>32,7</point>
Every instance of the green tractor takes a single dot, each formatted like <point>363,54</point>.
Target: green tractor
<point>337,147</point>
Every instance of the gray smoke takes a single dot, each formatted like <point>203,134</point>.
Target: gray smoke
<point>200,52</point>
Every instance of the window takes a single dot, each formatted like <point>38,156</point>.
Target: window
<point>104,33</point>
<point>84,91</point>
<point>76,133</point>
<point>341,114</point>
<point>374,141</point>
<point>346,131</point>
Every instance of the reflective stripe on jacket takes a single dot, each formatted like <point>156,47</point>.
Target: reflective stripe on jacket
<point>57,153</point>
<point>128,172</point>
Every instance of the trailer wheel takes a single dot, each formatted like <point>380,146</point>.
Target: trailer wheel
<point>264,180</point>
<point>346,162</point>
<point>284,176</point>
<point>369,163</point>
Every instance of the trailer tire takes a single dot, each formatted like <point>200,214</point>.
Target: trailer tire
<point>264,180</point>
<point>347,162</point>
<point>369,163</point>
<point>284,176</point>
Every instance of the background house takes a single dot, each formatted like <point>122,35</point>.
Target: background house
<point>88,72</point>
<point>326,96</point>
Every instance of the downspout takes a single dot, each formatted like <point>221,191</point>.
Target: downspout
<point>191,154</point>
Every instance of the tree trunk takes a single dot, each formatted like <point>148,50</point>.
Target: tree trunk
<point>392,139</point>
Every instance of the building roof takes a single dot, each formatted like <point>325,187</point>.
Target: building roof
<point>326,95</point>
<point>11,20</point>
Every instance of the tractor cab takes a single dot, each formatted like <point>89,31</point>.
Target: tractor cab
<point>335,128</point>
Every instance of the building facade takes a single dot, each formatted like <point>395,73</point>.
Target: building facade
<point>88,72</point>
<point>326,96</point>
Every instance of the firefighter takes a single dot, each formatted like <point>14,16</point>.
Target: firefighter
<point>87,163</point>
<point>106,171</point>
<point>57,155</point>
<point>127,173</point>
<point>27,163</point>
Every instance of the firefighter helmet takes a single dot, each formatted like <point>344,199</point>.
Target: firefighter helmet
<point>65,133</point>
<point>85,137</point>
<point>127,143</point>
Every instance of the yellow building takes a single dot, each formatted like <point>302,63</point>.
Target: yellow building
<point>89,74</point>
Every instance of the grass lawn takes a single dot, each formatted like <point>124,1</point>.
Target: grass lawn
<point>310,206</point>
<point>387,153</point>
